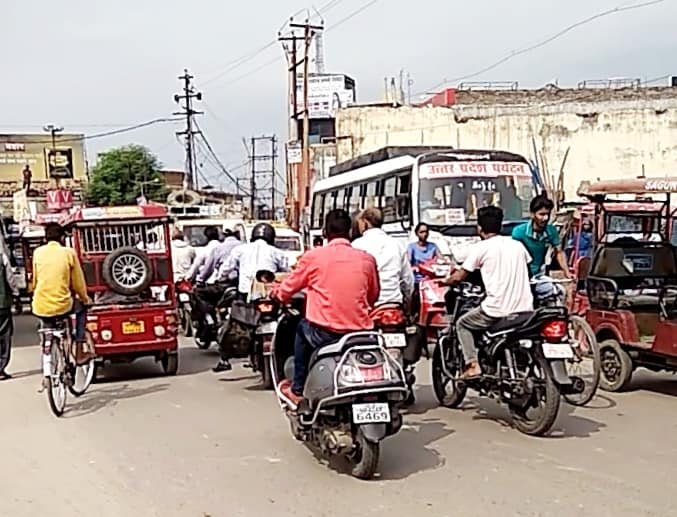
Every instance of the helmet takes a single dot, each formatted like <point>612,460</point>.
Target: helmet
<point>264,231</point>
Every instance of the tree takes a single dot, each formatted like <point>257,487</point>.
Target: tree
<point>121,175</point>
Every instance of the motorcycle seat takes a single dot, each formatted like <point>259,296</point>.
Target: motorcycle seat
<point>337,349</point>
<point>511,322</point>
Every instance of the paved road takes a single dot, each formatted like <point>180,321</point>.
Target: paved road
<point>139,444</point>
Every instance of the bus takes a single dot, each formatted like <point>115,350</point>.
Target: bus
<point>441,187</point>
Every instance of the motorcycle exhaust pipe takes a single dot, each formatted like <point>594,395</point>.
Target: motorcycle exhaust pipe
<point>336,441</point>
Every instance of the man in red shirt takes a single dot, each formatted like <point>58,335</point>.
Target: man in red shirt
<point>342,285</point>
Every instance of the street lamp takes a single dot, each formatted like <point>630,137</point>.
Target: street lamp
<point>53,130</point>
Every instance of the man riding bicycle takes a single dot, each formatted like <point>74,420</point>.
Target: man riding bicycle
<point>57,275</point>
<point>538,236</point>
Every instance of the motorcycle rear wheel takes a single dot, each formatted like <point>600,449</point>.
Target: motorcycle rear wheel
<point>365,458</point>
<point>550,405</point>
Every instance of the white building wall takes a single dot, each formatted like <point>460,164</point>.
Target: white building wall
<point>607,139</point>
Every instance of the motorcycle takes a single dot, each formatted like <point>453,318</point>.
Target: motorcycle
<point>402,338</point>
<point>522,359</point>
<point>432,317</point>
<point>263,339</point>
<point>184,290</point>
<point>352,395</point>
<point>208,330</point>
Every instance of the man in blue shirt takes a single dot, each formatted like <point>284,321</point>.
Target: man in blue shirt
<point>538,235</point>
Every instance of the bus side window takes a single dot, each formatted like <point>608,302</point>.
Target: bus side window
<point>389,200</point>
<point>318,213</point>
<point>363,196</point>
<point>404,197</point>
<point>370,200</point>
<point>341,199</point>
<point>328,204</point>
<point>353,200</point>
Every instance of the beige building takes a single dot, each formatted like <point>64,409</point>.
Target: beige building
<point>64,163</point>
<point>610,133</point>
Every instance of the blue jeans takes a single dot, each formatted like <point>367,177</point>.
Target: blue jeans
<point>80,312</point>
<point>308,338</point>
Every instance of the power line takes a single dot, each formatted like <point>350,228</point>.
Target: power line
<point>279,58</point>
<point>114,132</point>
<point>245,58</point>
<point>569,28</point>
<point>215,156</point>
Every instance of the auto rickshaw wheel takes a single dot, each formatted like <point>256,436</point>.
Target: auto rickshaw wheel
<point>170,363</point>
<point>616,366</point>
<point>127,271</point>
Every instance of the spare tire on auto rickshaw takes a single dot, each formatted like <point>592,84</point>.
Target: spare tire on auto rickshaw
<point>127,271</point>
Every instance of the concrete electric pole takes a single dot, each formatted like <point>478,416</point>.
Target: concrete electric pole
<point>299,182</point>
<point>189,133</point>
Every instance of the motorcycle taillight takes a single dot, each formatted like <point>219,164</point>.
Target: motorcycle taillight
<point>554,330</point>
<point>389,318</point>
<point>372,373</point>
<point>265,307</point>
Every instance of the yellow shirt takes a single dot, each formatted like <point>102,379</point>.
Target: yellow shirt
<point>56,275</point>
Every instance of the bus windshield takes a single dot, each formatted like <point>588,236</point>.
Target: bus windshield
<point>455,200</point>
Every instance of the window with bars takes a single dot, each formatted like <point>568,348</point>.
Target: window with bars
<point>105,239</point>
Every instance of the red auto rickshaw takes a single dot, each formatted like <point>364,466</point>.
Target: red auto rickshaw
<point>629,295</point>
<point>126,258</point>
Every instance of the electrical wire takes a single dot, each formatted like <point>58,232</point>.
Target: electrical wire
<point>618,9</point>
<point>245,58</point>
<point>215,156</point>
<point>279,58</point>
<point>113,132</point>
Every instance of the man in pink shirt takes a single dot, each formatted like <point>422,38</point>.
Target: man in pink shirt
<point>342,285</point>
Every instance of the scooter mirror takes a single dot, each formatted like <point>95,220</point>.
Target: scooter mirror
<point>265,276</point>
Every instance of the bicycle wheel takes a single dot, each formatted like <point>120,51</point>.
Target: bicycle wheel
<point>586,362</point>
<point>56,381</point>
<point>82,376</point>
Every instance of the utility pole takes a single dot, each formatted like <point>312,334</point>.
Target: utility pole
<point>263,170</point>
<point>189,133</point>
<point>299,182</point>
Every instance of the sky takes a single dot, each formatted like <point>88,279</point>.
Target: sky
<point>93,66</point>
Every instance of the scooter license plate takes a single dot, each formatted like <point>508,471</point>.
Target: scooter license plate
<point>395,340</point>
<point>371,413</point>
<point>184,297</point>
<point>557,351</point>
<point>267,328</point>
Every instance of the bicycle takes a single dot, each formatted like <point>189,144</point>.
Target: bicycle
<point>582,339</point>
<point>60,371</point>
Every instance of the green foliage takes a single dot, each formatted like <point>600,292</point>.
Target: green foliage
<point>121,174</point>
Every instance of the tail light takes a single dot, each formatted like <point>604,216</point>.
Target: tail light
<point>184,285</point>
<point>554,331</point>
<point>389,318</point>
<point>360,374</point>
<point>265,307</point>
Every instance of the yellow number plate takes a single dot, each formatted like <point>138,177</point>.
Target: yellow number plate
<point>133,327</point>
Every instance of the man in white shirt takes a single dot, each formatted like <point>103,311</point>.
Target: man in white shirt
<point>503,264</point>
<point>257,255</point>
<point>395,273</point>
<point>201,254</point>
<point>247,260</point>
<point>183,256</point>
